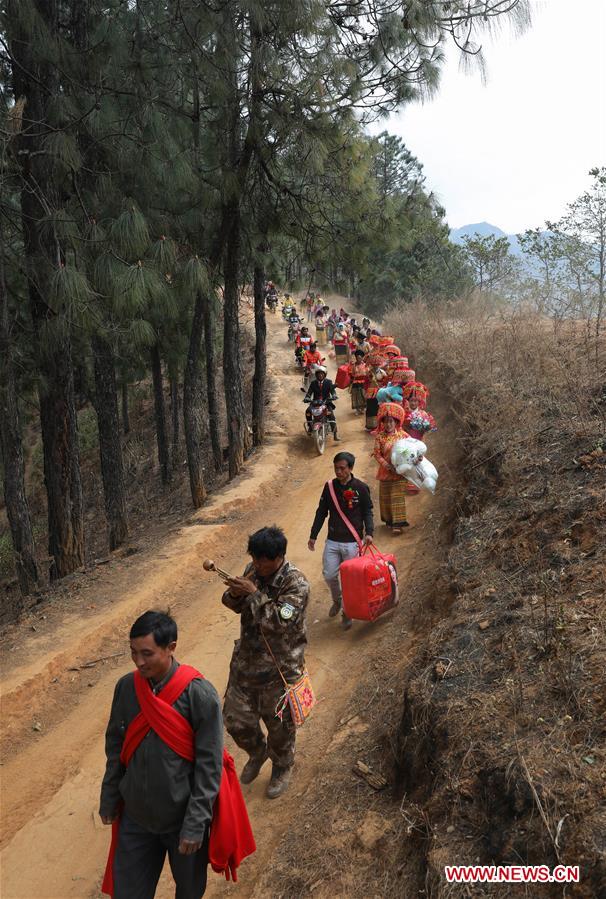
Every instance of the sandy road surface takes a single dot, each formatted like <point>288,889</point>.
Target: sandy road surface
<point>54,845</point>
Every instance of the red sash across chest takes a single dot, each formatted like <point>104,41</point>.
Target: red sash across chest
<point>231,837</point>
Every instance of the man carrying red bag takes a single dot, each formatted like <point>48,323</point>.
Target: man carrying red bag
<point>355,503</point>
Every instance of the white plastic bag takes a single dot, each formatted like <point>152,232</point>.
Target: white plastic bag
<point>407,457</point>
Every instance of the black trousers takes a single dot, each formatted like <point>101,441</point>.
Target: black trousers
<point>140,858</point>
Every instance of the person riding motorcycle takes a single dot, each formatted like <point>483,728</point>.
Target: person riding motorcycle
<point>294,323</point>
<point>322,390</point>
<point>313,356</point>
<point>304,341</point>
<point>271,298</point>
<point>311,359</point>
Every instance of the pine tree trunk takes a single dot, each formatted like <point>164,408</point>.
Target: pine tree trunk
<point>232,372</point>
<point>174,411</point>
<point>11,450</point>
<point>212,393</point>
<point>125,413</point>
<point>195,415</point>
<point>35,77</point>
<point>59,424</point>
<point>110,447</point>
<point>160,411</point>
<point>259,379</point>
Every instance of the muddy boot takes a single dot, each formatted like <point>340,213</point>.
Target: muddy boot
<point>335,436</point>
<point>252,767</point>
<point>280,779</point>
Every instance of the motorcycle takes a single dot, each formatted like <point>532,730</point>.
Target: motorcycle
<point>272,303</point>
<point>320,426</point>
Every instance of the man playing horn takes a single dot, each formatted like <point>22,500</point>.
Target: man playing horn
<point>271,599</point>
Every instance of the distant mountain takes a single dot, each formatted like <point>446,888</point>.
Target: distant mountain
<point>484,229</point>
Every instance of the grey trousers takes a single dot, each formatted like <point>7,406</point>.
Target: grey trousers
<point>140,858</point>
<point>334,554</point>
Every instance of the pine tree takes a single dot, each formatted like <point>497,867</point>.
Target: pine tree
<point>35,46</point>
<point>11,450</point>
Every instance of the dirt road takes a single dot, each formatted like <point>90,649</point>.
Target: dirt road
<point>55,710</point>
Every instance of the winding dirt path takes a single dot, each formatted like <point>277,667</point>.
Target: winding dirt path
<point>53,844</point>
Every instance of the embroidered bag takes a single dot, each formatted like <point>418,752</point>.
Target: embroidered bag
<point>298,696</point>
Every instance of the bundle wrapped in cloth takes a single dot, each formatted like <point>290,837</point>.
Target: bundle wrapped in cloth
<point>408,459</point>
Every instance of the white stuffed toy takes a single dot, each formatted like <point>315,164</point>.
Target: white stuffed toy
<point>407,457</point>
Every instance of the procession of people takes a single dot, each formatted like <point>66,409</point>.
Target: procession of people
<point>170,788</point>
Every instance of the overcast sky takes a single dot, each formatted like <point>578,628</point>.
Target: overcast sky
<point>516,150</point>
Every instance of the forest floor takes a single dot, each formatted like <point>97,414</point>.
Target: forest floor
<point>62,659</point>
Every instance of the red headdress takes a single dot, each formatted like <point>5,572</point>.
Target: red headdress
<point>392,410</point>
<point>376,360</point>
<point>402,376</point>
<point>391,350</point>
<point>418,390</point>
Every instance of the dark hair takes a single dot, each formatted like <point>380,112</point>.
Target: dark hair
<point>160,624</point>
<point>359,353</point>
<point>313,345</point>
<point>345,457</point>
<point>267,543</point>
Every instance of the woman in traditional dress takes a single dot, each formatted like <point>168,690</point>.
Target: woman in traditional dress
<point>331,325</point>
<point>376,379</point>
<point>419,422</point>
<point>320,327</point>
<point>340,342</point>
<point>392,486</point>
<point>359,373</point>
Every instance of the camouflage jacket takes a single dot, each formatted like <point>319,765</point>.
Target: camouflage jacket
<point>277,612</point>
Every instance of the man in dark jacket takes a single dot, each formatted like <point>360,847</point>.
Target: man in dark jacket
<point>271,599</point>
<point>321,389</point>
<point>354,501</point>
<point>163,801</point>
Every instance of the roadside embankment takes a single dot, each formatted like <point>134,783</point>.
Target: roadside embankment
<point>500,751</point>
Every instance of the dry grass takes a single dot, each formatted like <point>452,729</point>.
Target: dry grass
<point>508,711</point>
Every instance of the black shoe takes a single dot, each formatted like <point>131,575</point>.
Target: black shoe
<point>346,622</point>
<point>251,769</point>
<point>280,779</point>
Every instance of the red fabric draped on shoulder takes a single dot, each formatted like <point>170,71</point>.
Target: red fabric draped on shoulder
<point>231,837</point>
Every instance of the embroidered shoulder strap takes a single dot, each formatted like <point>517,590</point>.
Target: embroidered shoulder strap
<point>353,531</point>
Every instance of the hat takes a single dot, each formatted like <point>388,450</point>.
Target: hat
<point>377,360</point>
<point>389,410</point>
<point>418,390</point>
<point>402,376</point>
